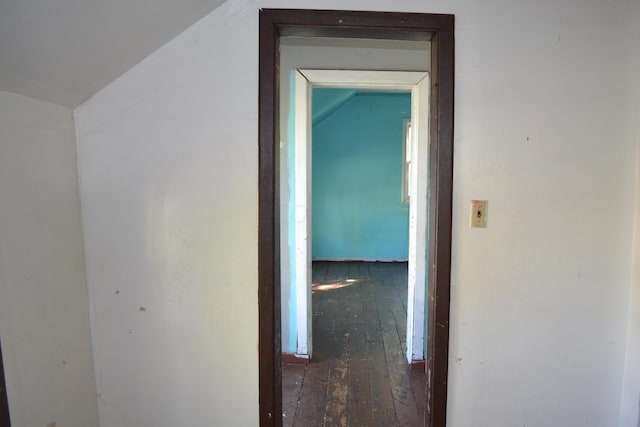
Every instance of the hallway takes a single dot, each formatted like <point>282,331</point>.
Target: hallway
<point>358,375</point>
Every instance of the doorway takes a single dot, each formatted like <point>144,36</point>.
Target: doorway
<point>417,83</point>
<point>439,30</point>
<point>359,373</point>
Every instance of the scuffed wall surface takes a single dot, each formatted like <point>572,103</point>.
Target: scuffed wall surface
<point>630,402</point>
<point>44,313</point>
<point>544,131</point>
<point>168,180</point>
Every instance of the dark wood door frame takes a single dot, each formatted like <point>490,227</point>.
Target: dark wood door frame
<point>439,29</point>
<point>4,402</point>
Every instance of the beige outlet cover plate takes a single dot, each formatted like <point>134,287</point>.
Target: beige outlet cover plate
<point>478,214</point>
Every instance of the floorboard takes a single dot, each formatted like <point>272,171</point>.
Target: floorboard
<point>358,375</point>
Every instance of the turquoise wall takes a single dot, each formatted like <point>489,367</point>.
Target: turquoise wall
<point>357,212</point>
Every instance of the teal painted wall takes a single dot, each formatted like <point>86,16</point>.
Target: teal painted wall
<point>357,212</point>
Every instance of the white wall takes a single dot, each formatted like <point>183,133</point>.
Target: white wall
<point>44,313</point>
<point>168,166</point>
<point>630,403</point>
<point>168,169</point>
<point>543,132</point>
<point>630,400</point>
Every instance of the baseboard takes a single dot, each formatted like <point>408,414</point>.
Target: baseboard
<point>418,365</point>
<point>295,359</point>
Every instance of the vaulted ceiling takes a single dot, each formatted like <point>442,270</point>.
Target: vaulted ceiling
<point>64,51</point>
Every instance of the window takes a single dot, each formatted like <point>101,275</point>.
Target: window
<point>406,160</point>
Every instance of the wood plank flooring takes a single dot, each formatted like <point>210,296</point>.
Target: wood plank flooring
<point>358,375</point>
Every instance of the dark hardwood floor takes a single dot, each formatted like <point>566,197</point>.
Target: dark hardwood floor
<point>358,375</point>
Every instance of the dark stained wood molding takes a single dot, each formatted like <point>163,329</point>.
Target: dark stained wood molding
<point>5,420</point>
<point>439,29</point>
<point>418,365</point>
<point>294,359</point>
<point>270,377</point>
<point>440,210</point>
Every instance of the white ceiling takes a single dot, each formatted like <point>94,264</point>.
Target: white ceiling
<point>64,51</point>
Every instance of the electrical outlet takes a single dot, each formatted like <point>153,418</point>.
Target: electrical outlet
<point>478,214</point>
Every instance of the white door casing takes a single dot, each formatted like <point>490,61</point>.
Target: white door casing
<point>418,84</point>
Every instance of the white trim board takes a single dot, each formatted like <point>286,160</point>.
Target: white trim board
<point>418,84</point>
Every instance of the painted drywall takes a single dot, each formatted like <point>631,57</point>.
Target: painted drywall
<point>168,167</point>
<point>44,311</point>
<point>630,402</point>
<point>538,298</point>
<point>329,53</point>
<point>357,160</point>
<point>543,130</point>
<point>65,57</point>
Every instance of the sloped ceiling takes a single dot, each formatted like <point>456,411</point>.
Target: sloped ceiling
<point>64,51</point>
<point>327,100</point>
